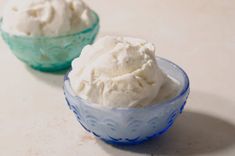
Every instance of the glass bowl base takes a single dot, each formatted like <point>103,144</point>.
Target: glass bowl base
<point>52,68</point>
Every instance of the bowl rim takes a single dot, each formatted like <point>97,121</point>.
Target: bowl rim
<point>90,28</point>
<point>184,91</point>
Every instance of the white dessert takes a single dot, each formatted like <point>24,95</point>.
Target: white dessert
<point>169,89</point>
<point>46,17</point>
<point>118,72</point>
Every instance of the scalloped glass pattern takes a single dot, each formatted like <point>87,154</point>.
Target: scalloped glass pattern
<point>130,125</point>
<point>51,53</point>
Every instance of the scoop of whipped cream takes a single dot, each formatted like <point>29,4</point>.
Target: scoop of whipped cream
<point>46,17</point>
<point>117,72</point>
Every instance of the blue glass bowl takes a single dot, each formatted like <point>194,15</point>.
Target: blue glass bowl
<point>130,125</point>
<point>51,53</point>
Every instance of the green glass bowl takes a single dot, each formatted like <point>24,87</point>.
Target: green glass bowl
<point>51,53</point>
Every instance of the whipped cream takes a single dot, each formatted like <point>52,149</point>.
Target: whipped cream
<point>46,17</point>
<point>117,72</point>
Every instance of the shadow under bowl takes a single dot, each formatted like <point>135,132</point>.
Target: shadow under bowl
<point>51,53</point>
<point>130,125</point>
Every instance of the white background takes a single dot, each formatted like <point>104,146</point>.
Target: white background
<point>197,35</point>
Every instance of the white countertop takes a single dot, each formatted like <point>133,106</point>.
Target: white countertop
<point>197,35</point>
